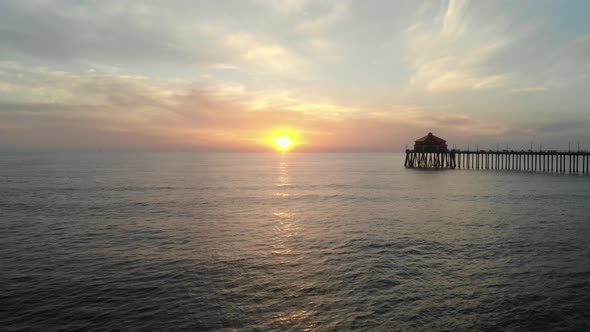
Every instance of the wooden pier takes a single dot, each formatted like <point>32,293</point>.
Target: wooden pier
<point>431,152</point>
<point>531,161</point>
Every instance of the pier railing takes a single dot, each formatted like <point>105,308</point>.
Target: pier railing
<point>523,160</point>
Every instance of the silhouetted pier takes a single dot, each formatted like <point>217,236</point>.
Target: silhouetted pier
<point>431,152</point>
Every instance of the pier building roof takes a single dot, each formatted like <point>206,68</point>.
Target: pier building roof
<point>430,139</point>
<point>430,143</point>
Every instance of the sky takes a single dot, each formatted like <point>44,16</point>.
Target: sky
<point>333,75</point>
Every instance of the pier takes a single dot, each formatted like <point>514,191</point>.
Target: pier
<point>532,161</point>
<point>431,152</point>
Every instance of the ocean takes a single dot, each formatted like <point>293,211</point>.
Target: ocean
<point>101,241</point>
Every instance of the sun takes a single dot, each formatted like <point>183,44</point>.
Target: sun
<point>283,143</point>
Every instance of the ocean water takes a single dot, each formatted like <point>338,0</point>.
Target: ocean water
<point>221,241</point>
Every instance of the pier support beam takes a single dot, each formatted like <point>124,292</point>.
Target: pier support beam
<point>416,159</point>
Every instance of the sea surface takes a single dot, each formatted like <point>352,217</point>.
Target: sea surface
<point>220,241</point>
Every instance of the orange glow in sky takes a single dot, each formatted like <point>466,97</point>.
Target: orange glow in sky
<point>328,81</point>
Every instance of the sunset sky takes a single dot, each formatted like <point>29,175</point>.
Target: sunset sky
<point>331,75</point>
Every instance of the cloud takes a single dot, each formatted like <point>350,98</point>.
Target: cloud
<point>210,114</point>
<point>135,34</point>
<point>109,31</point>
<point>263,55</point>
<point>444,57</point>
<point>284,7</point>
<point>529,89</point>
<point>568,64</point>
<point>217,75</point>
<point>453,24</point>
<point>337,13</point>
<point>324,48</point>
<point>490,82</point>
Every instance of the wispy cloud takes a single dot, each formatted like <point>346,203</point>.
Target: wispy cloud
<point>453,25</point>
<point>444,57</point>
<point>63,31</point>
<point>529,89</point>
<point>264,56</point>
<point>284,7</point>
<point>218,75</point>
<point>224,115</point>
<point>337,13</point>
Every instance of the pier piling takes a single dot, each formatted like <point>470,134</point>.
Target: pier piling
<point>529,161</point>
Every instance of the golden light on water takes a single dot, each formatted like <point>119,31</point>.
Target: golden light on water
<point>283,143</point>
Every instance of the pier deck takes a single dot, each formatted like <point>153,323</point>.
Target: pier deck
<point>523,160</point>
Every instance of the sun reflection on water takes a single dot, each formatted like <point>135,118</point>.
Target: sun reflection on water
<point>286,225</point>
<point>283,214</point>
<point>282,179</point>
